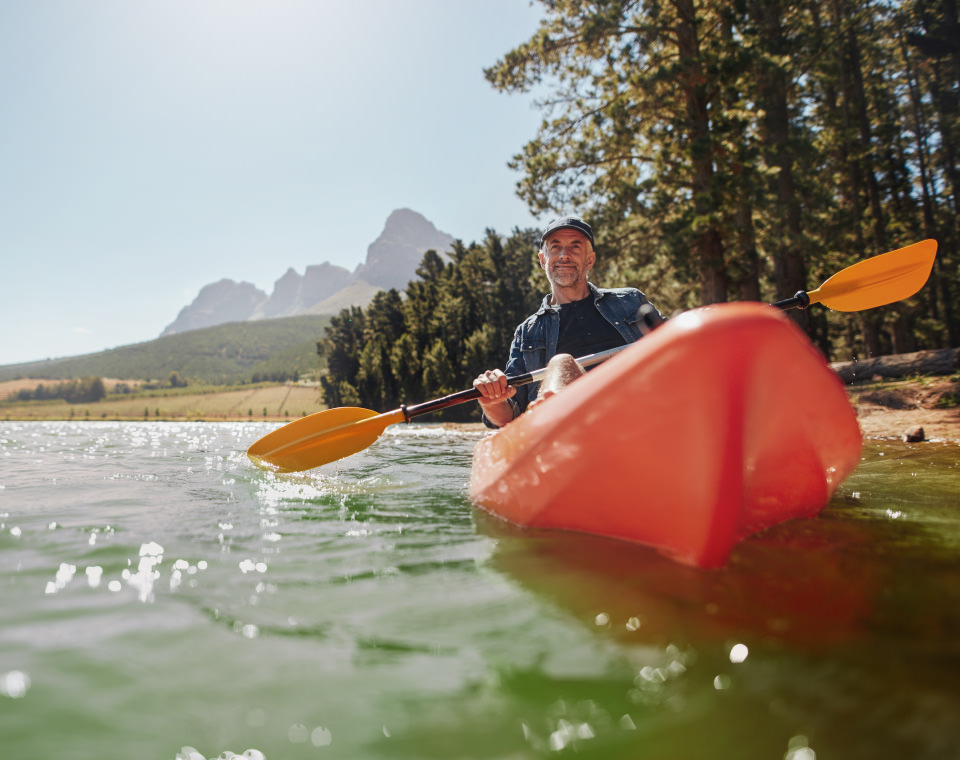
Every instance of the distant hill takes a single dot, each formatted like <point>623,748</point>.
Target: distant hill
<point>233,331</point>
<point>392,261</point>
<point>226,353</point>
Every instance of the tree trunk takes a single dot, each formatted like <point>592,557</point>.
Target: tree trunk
<point>948,107</point>
<point>902,334</point>
<point>921,129</point>
<point>944,361</point>
<point>746,275</point>
<point>864,164</point>
<point>789,268</point>
<point>742,258</point>
<point>709,243</point>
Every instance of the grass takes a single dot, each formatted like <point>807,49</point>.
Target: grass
<point>948,401</point>
<point>251,402</point>
<point>219,354</point>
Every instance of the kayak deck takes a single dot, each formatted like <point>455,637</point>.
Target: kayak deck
<point>722,422</point>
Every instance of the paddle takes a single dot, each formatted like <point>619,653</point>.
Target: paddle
<point>335,433</point>
<point>877,281</point>
<point>332,434</point>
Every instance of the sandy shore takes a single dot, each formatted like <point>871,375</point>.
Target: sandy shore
<point>895,409</point>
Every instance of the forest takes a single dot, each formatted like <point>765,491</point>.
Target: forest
<point>737,150</point>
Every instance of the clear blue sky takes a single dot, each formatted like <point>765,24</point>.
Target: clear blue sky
<point>149,147</point>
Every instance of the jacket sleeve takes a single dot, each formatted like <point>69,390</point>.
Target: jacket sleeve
<point>515,366</point>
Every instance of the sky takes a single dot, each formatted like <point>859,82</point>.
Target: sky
<point>151,147</point>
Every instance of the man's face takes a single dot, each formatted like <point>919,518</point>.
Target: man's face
<point>567,258</point>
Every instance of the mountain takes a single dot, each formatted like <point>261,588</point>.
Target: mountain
<point>293,294</point>
<point>392,261</point>
<point>393,258</point>
<point>217,303</point>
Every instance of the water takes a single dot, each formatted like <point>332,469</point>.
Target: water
<point>161,597</point>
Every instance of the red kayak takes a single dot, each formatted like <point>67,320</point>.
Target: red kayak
<point>722,422</point>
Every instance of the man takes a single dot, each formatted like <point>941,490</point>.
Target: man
<point>576,318</point>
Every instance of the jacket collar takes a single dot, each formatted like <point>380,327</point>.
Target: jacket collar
<point>546,306</point>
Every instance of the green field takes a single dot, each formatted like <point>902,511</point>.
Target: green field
<point>238,371</point>
<point>260,402</point>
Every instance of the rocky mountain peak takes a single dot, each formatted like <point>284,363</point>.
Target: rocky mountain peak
<point>391,262</point>
<point>217,303</point>
<point>395,255</point>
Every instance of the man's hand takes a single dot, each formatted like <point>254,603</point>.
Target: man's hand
<point>494,392</point>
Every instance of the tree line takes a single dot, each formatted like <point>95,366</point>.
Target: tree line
<point>454,321</point>
<point>83,391</point>
<point>722,150</point>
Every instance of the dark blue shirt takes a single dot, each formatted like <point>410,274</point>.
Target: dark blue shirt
<point>583,329</point>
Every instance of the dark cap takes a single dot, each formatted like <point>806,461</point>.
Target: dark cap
<point>567,223</point>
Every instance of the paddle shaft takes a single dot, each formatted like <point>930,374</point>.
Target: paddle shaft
<point>799,300</point>
<point>526,378</point>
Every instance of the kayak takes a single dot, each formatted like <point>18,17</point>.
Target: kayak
<point>721,422</point>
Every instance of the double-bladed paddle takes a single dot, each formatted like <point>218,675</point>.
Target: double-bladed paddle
<point>332,434</point>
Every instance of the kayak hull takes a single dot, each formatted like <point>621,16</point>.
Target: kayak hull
<point>722,422</point>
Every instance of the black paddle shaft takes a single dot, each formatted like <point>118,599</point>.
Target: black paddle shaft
<point>458,398</point>
<point>472,393</point>
<point>800,300</point>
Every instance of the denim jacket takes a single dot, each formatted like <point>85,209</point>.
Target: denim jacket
<point>535,339</point>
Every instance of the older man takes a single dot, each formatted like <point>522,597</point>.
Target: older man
<point>576,318</point>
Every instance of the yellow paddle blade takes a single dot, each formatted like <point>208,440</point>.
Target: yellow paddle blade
<point>879,280</point>
<point>321,438</point>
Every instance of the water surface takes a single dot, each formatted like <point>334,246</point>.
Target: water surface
<point>160,595</point>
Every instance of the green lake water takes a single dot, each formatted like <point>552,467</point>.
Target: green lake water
<point>160,597</point>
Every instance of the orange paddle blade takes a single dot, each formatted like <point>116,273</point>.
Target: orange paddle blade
<point>879,280</point>
<point>321,438</point>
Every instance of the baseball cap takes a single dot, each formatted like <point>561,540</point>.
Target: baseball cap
<point>568,223</point>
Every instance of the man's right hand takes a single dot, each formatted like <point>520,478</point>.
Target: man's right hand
<point>494,391</point>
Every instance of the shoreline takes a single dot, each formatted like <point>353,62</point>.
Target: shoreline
<point>875,424</point>
<point>896,409</point>
<point>885,410</point>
